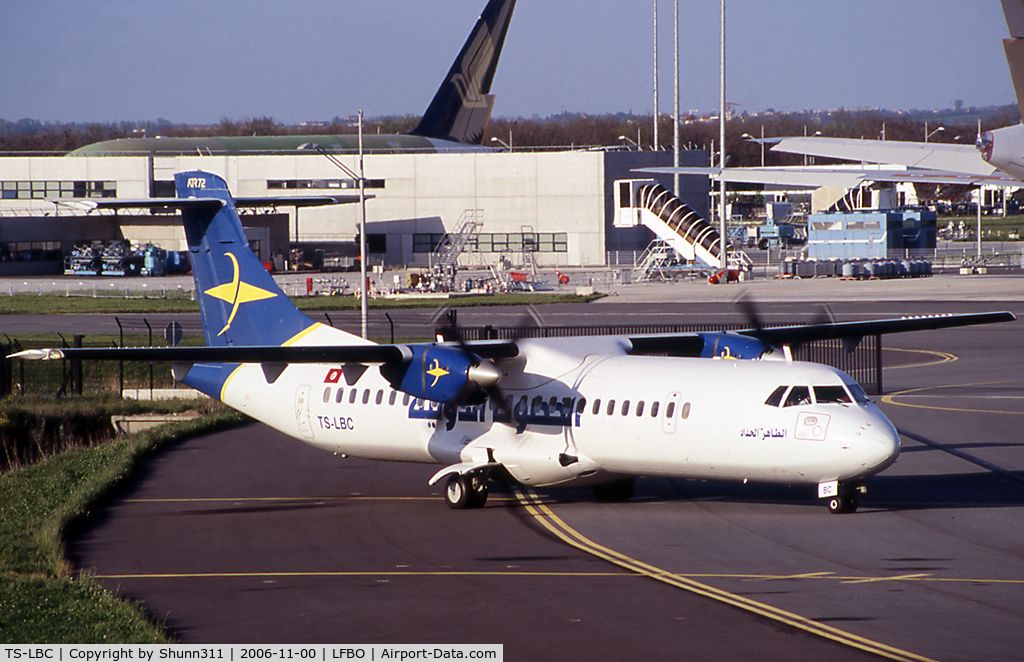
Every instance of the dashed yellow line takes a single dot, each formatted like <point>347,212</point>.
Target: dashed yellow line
<point>546,518</point>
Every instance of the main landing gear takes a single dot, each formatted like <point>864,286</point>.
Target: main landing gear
<point>466,491</point>
<point>845,501</point>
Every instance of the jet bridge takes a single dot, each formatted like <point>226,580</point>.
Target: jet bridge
<point>648,203</point>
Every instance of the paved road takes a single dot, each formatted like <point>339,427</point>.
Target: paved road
<point>247,536</point>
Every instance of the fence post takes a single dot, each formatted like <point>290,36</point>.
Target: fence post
<point>76,368</point>
<point>5,370</point>
<point>120,364</point>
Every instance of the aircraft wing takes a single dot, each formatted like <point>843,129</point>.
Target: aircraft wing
<point>711,344</point>
<point>936,156</point>
<point>839,177</point>
<point>790,335</point>
<point>331,354</point>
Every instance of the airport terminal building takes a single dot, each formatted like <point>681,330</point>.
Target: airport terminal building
<point>557,206</point>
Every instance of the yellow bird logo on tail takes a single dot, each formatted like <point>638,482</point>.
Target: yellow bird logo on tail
<point>236,293</point>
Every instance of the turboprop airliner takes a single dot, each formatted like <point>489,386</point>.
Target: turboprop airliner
<point>541,412</point>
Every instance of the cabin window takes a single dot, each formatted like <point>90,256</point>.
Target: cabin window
<point>337,397</point>
<point>366,395</point>
<point>405,399</point>
<point>380,396</point>
<point>625,407</point>
<point>824,395</point>
<point>392,397</point>
<point>597,406</point>
<point>670,409</point>
<point>775,399</point>
<point>640,408</point>
<point>654,409</point>
<point>581,405</point>
<point>685,413</point>
<point>352,396</point>
<point>611,407</point>
<point>327,394</point>
<point>798,396</point>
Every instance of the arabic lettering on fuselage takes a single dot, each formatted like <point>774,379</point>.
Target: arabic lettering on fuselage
<point>763,433</point>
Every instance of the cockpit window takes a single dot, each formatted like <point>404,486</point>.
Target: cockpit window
<point>775,399</point>
<point>831,395</point>
<point>798,396</point>
<point>859,396</point>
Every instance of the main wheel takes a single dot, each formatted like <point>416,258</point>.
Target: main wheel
<point>477,491</point>
<point>457,492</point>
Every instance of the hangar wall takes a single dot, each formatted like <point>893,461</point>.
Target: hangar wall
<point>564,197</point>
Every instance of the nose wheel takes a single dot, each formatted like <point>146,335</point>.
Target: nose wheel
<point>845,501</point>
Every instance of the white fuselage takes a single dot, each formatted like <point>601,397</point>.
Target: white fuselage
<point>585,410</point>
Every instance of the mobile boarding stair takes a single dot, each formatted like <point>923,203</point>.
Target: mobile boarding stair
<point>445,259</point>
<point>648,203</point>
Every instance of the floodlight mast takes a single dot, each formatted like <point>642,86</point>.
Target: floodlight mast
<point>721,144</point>
<point>362,234</point>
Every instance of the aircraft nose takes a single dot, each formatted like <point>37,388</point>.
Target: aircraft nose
<point>881,443</point>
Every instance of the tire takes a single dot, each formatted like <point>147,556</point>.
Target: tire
<point>457,493</point>
<point>763,244</point>
<point>478,492</point>
<point>841,505</point>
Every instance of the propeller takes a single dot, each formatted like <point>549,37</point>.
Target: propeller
<point>483,375</point>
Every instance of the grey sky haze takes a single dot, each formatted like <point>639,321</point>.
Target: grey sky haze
<point>201,61</point>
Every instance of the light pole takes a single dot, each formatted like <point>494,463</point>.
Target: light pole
<point>630,141</point>
<point>363,312</point>
<point>747,136</point>
<point>506,145</point>
<point>928,135</point>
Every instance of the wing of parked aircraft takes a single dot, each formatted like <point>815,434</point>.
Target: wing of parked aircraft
<point>834,176</point>
<point>945,157</point>
<point>540,411</point>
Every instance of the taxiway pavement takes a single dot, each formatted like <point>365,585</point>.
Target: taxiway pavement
<point>248,536</point>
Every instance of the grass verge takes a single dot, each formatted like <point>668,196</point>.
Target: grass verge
<point>41,600</point>
<point>25,304</point>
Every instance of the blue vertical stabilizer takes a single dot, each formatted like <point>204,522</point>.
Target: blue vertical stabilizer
<point>239,300</point>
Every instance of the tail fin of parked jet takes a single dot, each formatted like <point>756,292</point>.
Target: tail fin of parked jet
<point>1014,46</point>
<point>462,106</point>
<point>239,300</point>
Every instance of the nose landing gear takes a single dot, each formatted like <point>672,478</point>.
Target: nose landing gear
<point>846,499</point>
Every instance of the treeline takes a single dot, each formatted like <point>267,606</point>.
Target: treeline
<point>623,130</point>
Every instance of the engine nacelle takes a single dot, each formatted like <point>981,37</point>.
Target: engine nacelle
<point>1004,149</point>
<point>726,345</point>
<point>441,373</point>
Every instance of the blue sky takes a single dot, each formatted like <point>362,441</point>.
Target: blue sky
<point>192,61</point>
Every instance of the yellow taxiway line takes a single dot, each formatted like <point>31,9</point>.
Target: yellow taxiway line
<point>547,518</point>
